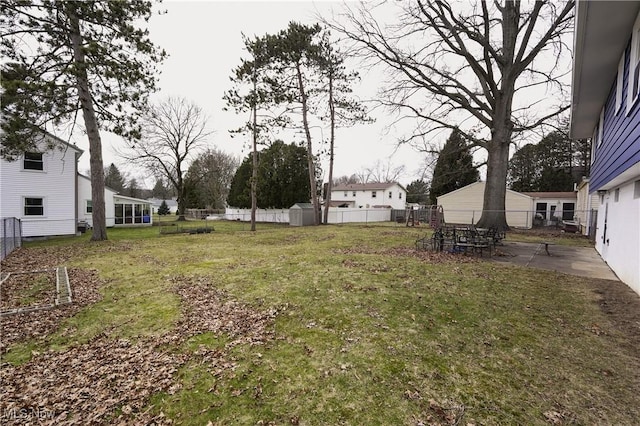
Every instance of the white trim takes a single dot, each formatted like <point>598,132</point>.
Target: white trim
<point>619,83</point>
<point>634,58</point>
<point>594,144</point>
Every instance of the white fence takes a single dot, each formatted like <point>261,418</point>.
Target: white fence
<point>342,215</point>
<point>262,215</point>
<point>336,215</point>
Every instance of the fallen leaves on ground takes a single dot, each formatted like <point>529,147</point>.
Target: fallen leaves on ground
<point>85,288</point>
<point>22,290</point>
<point>110,380</point>
<point>88,383</point>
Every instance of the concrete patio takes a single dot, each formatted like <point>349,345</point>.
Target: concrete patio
<point>580,261</point>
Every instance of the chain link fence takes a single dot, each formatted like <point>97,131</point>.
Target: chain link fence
<point>10,235</point>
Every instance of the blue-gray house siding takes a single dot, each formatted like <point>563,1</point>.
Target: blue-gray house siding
<point>620,145</point>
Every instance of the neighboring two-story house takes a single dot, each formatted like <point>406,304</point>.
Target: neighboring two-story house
<point>39,188</point>
<point>369,195</point>
<point>45,191</point>
<point>606,108</point>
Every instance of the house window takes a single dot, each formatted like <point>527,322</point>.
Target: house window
<point>568,211</point>
<point>620,83</point>
<point>33,161</point>
<point>33,206</point>
<point>345,193</point>
<point>601,127</point>
<point>354,193</point>
<point>400,195</point>
<point>119,214</point>
<point>636,189</point>
<point>541,210</point>
<point>89,207</point>
<point>633,85</point>
<point>373,194</point>
<point>390,194</point>
<point>616,195</point>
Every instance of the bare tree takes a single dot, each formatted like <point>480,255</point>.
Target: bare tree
<point>346,180</point>
<point>486,68</point>
<point>173,132</point>
<point>381,172</point>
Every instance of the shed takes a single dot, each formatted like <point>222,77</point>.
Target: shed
<point>301,214</point>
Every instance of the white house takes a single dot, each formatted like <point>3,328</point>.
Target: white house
<point>554,207</point>
<point>39,188</point>
<point>586,208</point>
<point>120,210</point>
<point>172,203</point>
<point>45,191</point>
<point>390,195</point>
<point>85,206</point>
<point>605,107</point>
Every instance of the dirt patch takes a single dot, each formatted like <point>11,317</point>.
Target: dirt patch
<point>622,306</point>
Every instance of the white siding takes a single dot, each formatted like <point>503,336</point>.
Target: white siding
<point>84,194</point>
<point>620,248</point>
<point>465,206</point>
<point>55,184</point>
<point>364,198</point>
<point>585,203</point>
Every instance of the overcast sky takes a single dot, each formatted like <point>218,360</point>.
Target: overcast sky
<point>204,43</point>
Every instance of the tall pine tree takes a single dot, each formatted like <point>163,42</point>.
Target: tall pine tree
<point>71,57</point>
<point>454,168</point>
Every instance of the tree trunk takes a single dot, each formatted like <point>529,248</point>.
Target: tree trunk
<point>182,197</point>
<point>310,163</point>
<point>254,158</point>
<point>332,118</point>
<point>493,208</point>
<point>91,125</point>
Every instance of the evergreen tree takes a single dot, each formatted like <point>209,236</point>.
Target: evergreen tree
<point>524,169</point>
<point>454,168</point>
<point>554,164</point>
<point>418,192</point>
<point>133,190</point>
<point>114,179</point>
<point>71,57</point>
<point>240,190</point>
<point>282,178</point>
<point>160,190</point>
<point>163,210</point>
